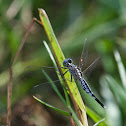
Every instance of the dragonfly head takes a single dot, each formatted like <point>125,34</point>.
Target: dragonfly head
<point>66,62</point>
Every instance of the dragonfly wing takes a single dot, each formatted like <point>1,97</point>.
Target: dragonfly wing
<point>44,88</point>
<point>83,57</point>
<point>91,67</point>
<point>49,93</point>
<point>35,75</point>
<point>36,71</point>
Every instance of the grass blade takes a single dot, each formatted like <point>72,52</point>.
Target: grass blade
<point>59,76</point>
<point>50,106</point>
<point>94,116</point>
<point>61,111</point>
<point>99,122</point>
<point>64,87</point>
<point>74,93</point>
<point>121,68</point>
<point>54,87</point>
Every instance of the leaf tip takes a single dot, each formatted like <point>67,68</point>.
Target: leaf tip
<point>42,11</point>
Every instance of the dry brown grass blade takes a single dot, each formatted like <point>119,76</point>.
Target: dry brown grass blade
<point>72,121</point>
<point>9,87</point>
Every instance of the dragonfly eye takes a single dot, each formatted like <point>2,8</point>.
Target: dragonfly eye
<point>70,60</point>
<point>66,62</point>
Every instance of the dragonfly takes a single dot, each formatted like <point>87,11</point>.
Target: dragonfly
<point>78,74</point>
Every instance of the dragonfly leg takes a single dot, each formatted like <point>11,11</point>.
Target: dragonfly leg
<point>71,78</point>
<point>64,67</point>
<point>65,73</point>
<point>62,74</point>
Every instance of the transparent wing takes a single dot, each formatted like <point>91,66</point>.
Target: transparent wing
<point>36,72</point>
<point>83,57</point>
<point>45,88</point>
<point>48,89</point>
<point>48,94</point>
<point>36,75</point>
<point>91,67</point>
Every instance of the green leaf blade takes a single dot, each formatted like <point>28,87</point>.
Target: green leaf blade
<point>52,107</point>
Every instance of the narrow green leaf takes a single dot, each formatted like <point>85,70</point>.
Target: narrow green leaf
<point>51,56</point>
<point>74,93</point>
<point>59,76</point>
<point>54,86</point>
<point>96,124</point>
<point>58,93</point>
<point>61,111</point>
<point>95,117</point>
<point>118,91</point>
<point>64,87</point>
<point>110,92</point>
<point>50,106</point>
<point>121,68</point>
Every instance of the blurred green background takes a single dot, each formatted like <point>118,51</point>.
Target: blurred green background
<point>102,22</point>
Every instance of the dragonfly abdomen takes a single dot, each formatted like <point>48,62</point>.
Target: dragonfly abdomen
<point>98,101</point>
<point>85,86</point>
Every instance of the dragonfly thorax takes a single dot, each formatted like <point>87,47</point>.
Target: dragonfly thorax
<point>73,69</point>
